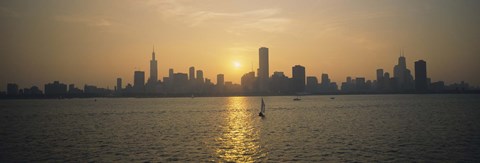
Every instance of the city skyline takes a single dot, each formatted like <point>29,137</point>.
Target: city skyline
<point>82,44</point>
<point>401,72</point>
<point>194,83</point>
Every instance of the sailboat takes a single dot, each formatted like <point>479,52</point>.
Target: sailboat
<point>297,99</point>
<point>262,109</point>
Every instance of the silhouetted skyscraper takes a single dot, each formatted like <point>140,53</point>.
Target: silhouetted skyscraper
<point>248,82</point>
<point>153,69</point>
<point>421,75</point>
<point>399,70</point>
<point>325,85</point>
<point>220,80</point>
<point>379,75</point>
<point>119,84</point>
<point>55,89</point>
<point>12,89</point>
<point>170,74</point>
<point>298,78</point>
<point>200,76</point>
<point>139,81</point>
<point>402,75</point>
<point>312,84</point>
<point>191,73</point>
<point>380,81</point>
<point>263,69</point>
<point>280,83</point>
<point>180,82</point>
<point>360,84</point>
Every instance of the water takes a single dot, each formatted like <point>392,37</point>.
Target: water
<point>364,128</point>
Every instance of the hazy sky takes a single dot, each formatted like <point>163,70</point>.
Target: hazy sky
<point>96,41</point>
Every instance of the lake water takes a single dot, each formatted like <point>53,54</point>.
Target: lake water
<point>349,128</point>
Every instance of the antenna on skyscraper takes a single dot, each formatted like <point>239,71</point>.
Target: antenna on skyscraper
<point>252,65</point>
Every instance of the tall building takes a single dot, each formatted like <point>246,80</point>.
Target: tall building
<point>379,75</point>
<point>119,84</point>
<point>325,85</point>
<point>380,81</point>
<point>312,84</point>
<point>55,89</point>
<point>12,89</point>
<point>180,83</point>
<point>421,75</point>
<point>263,69</point>
<point>248,82</point>
<point>279,83</point>
<point>191,73</point>
<point>402,75</point>
<point>200,76</point>
<point>73,90</point>
<point>220,80</point>
<point>170,74</point>
<point>360,84</point>
<point>400,69</point>
<point>298,78</point>
<point>139,81</point>
<point>153,69</point>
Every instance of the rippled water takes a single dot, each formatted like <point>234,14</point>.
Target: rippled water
<point>386,128</point>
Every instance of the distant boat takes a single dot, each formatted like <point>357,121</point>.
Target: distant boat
<point>262,109</point>
<point>332,98</point>
<point>297,99</point>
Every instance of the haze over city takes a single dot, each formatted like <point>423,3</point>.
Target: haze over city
<point>95,42</point>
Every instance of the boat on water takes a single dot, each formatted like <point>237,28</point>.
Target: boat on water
<point>262,109</point>
<point>297,99</point>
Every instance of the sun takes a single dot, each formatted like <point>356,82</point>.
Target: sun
<point>236,64</point>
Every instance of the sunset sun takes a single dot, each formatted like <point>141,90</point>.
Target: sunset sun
<point>236,64</point>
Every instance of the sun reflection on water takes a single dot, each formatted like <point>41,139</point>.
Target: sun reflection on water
<point>239,141</point>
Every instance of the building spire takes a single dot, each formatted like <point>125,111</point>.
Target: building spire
<point>153,52</point>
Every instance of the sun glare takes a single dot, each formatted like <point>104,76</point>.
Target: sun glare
<point>237,64</point>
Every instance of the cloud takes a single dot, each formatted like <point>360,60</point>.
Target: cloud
<point>8,12</point>
<point>267,20</point>
<point>343,22</point>
<point>89,21</point>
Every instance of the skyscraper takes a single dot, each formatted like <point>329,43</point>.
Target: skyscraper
<point>400,69</point>
<point>263,69</point>
<point>379,75</point>
<point>200,76</point>
<point>402,75</point>
<point>191,73</point>
<point>220,80</point>
<point>298,78</point>
<point>55,89</point>
<point>248,82</point>
<point>170,74</point>
<point>421,75</point>
<point>153,69</point>
<point>325,85</point>
<point>139,81</point>
<point>360,84</point>
<point>380,80</point>
<point>312,84</point>
<point>119,84</point>
<point>12,89</point>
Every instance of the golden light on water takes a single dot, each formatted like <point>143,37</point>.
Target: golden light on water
<point>239,141</point>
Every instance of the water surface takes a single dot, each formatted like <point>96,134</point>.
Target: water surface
<point>362,128</point>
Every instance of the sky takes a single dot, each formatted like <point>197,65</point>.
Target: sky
<point>94,42</point>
